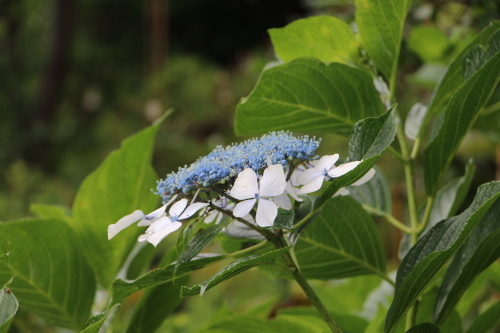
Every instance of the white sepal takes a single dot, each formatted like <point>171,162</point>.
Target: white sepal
<point>191,209</point>
<point>159,235</point>
<point>266,213</point>
<point>177,208</point>
<point>245,186</point>
<point>273,181</point>
<point>343,169</point>
<point>243,207</point>
<point>124,222</point>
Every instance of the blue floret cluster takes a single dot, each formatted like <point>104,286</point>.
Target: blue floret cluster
<point>223,164</point>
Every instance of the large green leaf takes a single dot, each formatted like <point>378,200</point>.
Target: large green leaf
<point>51,212</point>
<point>120,185</point>
<point>324,37</point>
<point>429,43</point>
<point>233,269</point>
<point>122,288</point>
<point>485,322</point>
<point>479,55</point>
<point>425,307</point>
<point>459,116</point>
<point>94,324</point>
<point>8,309</point>
<point>371,136</point>
<point>480,250</point>
<point>375,193</point>
<point>453,78</point>
<point>380,24</point>
<point>341,242</point>
<point>426,258</point>
<point>51,276</point>
<point>424,328</point>
<point>306,95</point>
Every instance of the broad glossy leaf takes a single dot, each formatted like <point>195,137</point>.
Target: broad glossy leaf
<point>342,241</point>
<point>123,288</point>
<point>8,309</point>
<point>94,324</point>
<point>346,180</point>
<point>480,250</point>
<point>424,328</point>
<point>425,307</point>
<point>155,306</point>
<point>120,185</point>
<point>479,55</point>
<point>459,116</point>
<point>324,37</point>
<point>414,120</point>
<point>453,78</point>
<point>371,136</point>
<point>306,95</point>
<point>233,269</point>
<point>51,276</point>
<point>487,320</point>
<point>284,219</point>
<point>375,193</point>
<point>426,258</point>
<point>380,24</point>
<point>51,211</point>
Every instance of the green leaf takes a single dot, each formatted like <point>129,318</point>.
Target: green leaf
<point>479,55</point>
<point>426,258</point>
<point>380,24</point>
<point>415,120</point>
<point>284,219</point>
<point>425,307</point>
<point>155,306</point>
<point>429,43</point>
<point>122,288</point>
<point>199,241</point>
<point>485,322</point>
<point>94,324</point>
<point>424,328</point>
<point>459,116</point>
<point>51,276</point>
<point>120,185</point>
<point>8,309</point>
<point>375,193</point>
<point>306,95</point>
<point>371,136</point>
<point>453,78</point>
<point>341,242</point>
<point>376,325</point>
<point>480,250</point>
<point>231,270</point>
<point>52,212</point>
<point>324,37</point>
<point>346,180</point>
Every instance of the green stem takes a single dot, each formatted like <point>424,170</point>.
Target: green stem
<point>245,252</point>
<point>427,215</point>
<point>309,291</point>
<point>391,219</point>
<point>396,154</point>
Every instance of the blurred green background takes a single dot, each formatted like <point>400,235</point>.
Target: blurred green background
<point>77,77</point>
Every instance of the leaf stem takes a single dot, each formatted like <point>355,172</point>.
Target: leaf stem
<point>244,252</point>
<point>427,215</point>
<point>396,154</point>
<point>309,291</point>
<point>389,218</point>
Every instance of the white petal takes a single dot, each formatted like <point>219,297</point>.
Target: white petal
<point>159,235</point>
<point>144,237</point>
<point>159,224</point>
<point>293,192</point>
<point>343,169</point>
<point>342,191</point>
<point>326,162</point>
<point>367,176</point>
<point>245,186</point>
<point>295,174</point>
<point>145,222</point>
<point>212,216</point>
<point>124,222</point>
<point>312,186</point>
<point>178,207</point>
<point>191,209</point>
<point>243,207</point>
<point>283,201</point>
<point>266,213</point>
<point>308,176</point>
<point>273,181</point>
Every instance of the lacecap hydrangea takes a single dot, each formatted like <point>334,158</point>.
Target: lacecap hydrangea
<point>225,163</point>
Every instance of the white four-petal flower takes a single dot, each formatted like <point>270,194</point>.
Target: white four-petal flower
<point>165,225</point>
<point>250,190</point>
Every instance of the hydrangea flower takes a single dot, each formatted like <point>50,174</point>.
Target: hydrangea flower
<point>250,190</point>
<point>165,225</point>
<point>224,164</point>
<point>215,215</point>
